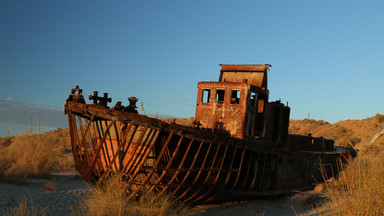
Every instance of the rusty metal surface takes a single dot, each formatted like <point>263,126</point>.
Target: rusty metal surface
<point>240,146</point>
<point>225,115</point>
<point>254,74</point>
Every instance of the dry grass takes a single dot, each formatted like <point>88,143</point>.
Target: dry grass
<point>348,133</point>
<point>305,126</point>
<point>344,136</point>
<point>360,188</point>
<point>50,186</point>
<point>111,199</point>
<point>26,207</point>
<point>34,155</point>
<point>181,121</point>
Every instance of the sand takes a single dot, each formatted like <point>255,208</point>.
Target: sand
<point>63,192</point>
<point>292,204</point>
<point>57,196</point>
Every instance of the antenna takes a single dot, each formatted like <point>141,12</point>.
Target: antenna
<point>38,124</point>
<point>30,131</point>
<point>142,111</point>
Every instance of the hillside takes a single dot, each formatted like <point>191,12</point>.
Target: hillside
<point>352,133</point>
<point>348,133</point>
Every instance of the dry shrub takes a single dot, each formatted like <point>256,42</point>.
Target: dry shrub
<point>26,207</point>
<point>5,141</point>
<point>50,186</point>
<point>149,204</point>
<point>343,137</point>
<point>380,118</point>
<point>35,155</point>
<point>359,189</point>
<point>305,126</point>
<point>111,199</point>
<point>313,121</point>
<point>30,157</point>
<point>181,121</point>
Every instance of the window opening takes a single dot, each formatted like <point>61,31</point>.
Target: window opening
<point>220,96</point>
<point>253,98</point>
<point>261,103</point>
<point>206,95</point>
<point>235,97</point>
<point>260,106</point>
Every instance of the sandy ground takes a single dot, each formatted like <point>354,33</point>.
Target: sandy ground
<point>293,204</point>
<point>68,189</point>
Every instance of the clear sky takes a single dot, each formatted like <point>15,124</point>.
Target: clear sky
<point>326,56</point>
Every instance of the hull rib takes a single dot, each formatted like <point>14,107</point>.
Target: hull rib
<point>102,142</point>
<point>239,147</point>
<point>133,193</point>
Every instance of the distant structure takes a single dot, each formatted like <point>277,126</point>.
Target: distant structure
<point>142,111</point>
<point>30,130</point>
<point>38,124</point>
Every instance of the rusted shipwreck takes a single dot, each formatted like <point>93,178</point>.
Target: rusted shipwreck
<point>239,147</point>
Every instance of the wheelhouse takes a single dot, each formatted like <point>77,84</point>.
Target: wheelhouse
<point>238,104</point>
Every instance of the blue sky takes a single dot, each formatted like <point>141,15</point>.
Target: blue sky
<point>326,56</point>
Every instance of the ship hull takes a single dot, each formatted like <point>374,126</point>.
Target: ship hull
<point>190,164</point>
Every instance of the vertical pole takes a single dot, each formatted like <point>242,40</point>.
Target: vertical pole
<point>30,125</point>
<point>38,124</point>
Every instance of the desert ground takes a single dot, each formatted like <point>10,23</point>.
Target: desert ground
<point>63,192</point>
<point>56,196</point>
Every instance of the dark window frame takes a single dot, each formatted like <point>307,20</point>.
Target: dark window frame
<point>220,96</point>
<point>206,95</point>
<point>235,96</point>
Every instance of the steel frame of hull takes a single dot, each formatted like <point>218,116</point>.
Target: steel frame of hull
<point>188,163</point>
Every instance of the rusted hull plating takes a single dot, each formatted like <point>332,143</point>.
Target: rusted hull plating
<point>189,163</point>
